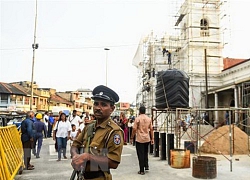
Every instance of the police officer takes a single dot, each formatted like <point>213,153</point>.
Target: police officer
<point>101,140</point>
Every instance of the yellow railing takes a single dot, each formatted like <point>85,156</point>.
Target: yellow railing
<point>11,152</point>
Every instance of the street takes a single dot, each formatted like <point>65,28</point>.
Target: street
<point>47,167</point>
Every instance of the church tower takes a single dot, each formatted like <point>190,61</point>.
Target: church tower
<point>200,55</point>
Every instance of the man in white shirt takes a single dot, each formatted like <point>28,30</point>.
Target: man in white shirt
<point>46,119</point>
<point>75,119</point>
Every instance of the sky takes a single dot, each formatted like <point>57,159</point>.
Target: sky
<point>72,35</point>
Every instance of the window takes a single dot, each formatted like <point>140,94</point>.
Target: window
<point>4,98</point>
<point>27,101</point>
<point>19,99</point>
<point>13,99</point>
<point>204,27</point>
<point>204,24</point>
<point>34,101</point>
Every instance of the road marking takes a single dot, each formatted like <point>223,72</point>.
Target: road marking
<point>52,150</point>
<point>126,154</point>
<point>56,159</point>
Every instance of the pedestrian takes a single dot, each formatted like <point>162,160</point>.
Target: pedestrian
<point>46,120</point>
<point>56,145</point>
<point>50,124</point>
<point>124,126</point>
<point>82,125</point>
<point>75,119</point>
<point>73,134</point>
<point>92,117</point>
<point>40,128</point>
<point>130,126</point>
<point>102,139</point>
<point>27,138</point>
<point>143,130</point>
<point>62,134</point>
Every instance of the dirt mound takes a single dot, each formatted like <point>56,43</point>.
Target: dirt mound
<point>190,134</point>
<point>218,141</point>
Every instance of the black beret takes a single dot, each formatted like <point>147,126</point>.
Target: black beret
<point>105,93</point>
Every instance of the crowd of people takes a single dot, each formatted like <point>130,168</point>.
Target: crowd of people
<point>101,136</point>
<point>126,125</point>
<point>61,128</point>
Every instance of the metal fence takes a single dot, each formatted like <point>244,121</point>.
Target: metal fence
<point>11,152</point>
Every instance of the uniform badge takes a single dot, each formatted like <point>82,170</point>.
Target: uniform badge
<point>117,139</point>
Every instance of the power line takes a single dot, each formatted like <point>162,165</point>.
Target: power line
<point>72,48</point>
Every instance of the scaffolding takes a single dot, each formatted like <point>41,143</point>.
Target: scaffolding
<point>174,117</point>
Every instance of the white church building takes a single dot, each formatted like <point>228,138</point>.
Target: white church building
<point>214,81</point>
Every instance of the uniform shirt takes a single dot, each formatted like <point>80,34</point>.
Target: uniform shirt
<point>62,128</point>
<point>113,149</point>
<point>40,127</point>
<point>142,125</point>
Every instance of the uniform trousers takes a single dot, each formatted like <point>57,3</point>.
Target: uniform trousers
<point>39,140</point>
<point>142,154</point>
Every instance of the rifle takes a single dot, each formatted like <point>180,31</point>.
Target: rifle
<point>90,134</point>
<point>78,173</point>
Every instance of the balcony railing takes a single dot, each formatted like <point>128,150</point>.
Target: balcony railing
<point>17,102</point>
<point>42,107</point>
<point>3,101</point>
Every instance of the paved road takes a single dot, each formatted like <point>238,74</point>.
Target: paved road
<point>47,167</point>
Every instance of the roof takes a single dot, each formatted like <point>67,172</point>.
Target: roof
<point>7,88</point>
<point>232,62</point>
<point>25,90</point>
<point>84,90</point>
<point>56,98</point>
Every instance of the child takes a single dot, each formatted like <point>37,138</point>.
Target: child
<point>73,134</point>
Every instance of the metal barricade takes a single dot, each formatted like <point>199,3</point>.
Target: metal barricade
<point>11,152</point>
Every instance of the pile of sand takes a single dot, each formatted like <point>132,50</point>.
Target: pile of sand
<point>218,141</point>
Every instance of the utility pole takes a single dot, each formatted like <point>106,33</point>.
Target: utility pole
<point>106,49</point>
<point>206,85</point>
<point>34,47</point>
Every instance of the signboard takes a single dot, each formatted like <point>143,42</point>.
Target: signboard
<point>124,106</point>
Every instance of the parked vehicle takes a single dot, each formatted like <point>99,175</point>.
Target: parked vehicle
<point>11,118</point>
<point>16,121</point>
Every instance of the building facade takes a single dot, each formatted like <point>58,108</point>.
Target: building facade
<point>214,81</point>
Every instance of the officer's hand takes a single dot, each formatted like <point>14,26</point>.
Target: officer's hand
<point>79,161</point>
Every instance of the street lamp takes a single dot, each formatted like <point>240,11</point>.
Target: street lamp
<point>106,49</point>
<point>34,47</point>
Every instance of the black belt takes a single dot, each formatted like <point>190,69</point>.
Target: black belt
<point>93,174</point>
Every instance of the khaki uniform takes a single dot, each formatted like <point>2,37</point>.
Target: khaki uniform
<point>107,141</point>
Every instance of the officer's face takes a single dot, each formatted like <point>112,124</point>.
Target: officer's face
<point>102,109</point>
